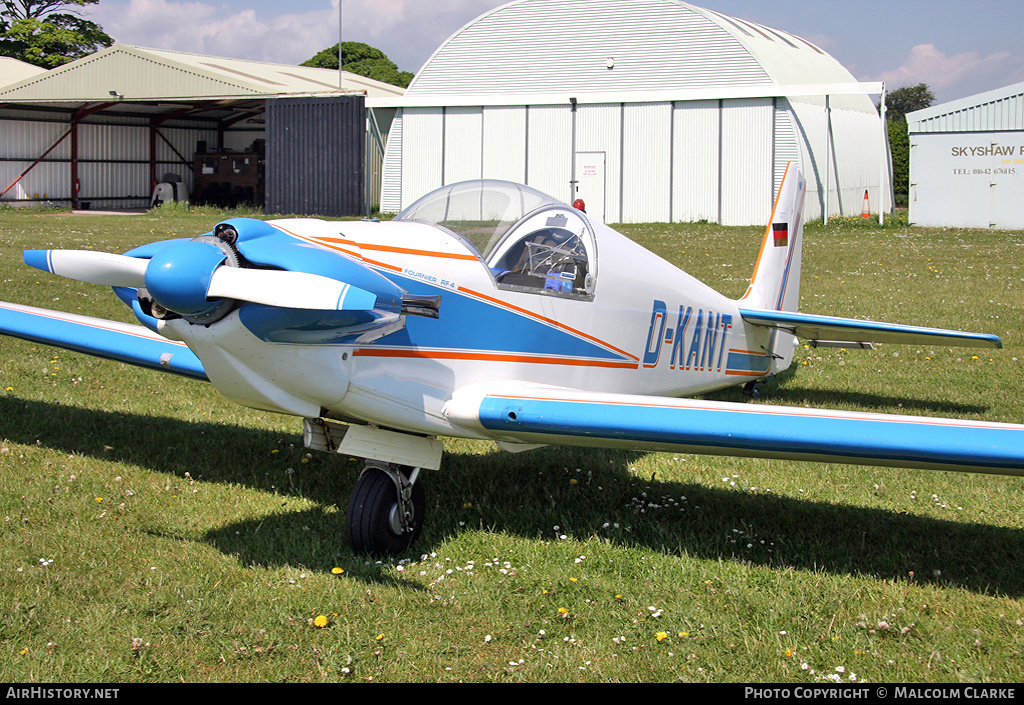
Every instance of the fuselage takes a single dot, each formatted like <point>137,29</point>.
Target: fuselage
<point>641,326</point>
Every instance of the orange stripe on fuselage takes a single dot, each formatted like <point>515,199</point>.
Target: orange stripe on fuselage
<point>398,250</point>
<point>489,357</point>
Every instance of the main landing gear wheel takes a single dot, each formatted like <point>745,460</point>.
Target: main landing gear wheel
<point>385,513</point>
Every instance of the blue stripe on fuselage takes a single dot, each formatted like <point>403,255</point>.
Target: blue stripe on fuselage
<point>465,323</point>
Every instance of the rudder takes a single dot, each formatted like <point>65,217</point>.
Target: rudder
<point>775,284</point>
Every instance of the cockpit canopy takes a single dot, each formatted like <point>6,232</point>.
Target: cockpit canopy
<point>528,240</point>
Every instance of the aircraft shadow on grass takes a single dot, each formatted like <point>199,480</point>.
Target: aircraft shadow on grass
<point>527,494</point>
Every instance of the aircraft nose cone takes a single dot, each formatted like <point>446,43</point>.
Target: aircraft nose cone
<point>178,277</point>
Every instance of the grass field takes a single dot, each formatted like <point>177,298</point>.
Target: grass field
<point>153,532</point>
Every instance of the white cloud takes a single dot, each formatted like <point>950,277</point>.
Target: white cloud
<point>203,28</point>
<point>957,75</point>
<point>408,31</point>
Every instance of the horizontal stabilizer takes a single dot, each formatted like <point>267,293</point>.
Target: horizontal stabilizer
<point>535,414</point>
<point>852,330</point>
<point>124,342</point>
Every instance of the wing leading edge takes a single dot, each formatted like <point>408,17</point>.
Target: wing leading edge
<point>124,342</point>
<point>534,414</point>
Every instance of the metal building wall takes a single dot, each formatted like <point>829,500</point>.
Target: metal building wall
<point>646,163</point>
<point>422,155</point>
<point>379,123</point>
<point>391,173</point>
<point>696,136</point>
<point>316,155</point>
<point>463,147</point>
<point>22,142</point>
<point>599,134</point>
<point>504,143</point>
<point>747,170</point>
<point>113,166</point>
<point>663,161</point>
<point>967,161</point>
<point>838,164</point>
<point>549,150</point>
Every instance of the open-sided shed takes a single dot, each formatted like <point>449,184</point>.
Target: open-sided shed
<point>102,131</point>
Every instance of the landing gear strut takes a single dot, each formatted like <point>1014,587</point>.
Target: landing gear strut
<point>385,513</point>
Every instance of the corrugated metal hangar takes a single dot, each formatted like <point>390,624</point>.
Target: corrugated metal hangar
<point>967,161</point>
<point>103,131</point>
<point>649,110</point>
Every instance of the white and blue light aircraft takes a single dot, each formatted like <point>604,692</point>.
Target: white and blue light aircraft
<point>488,310</point>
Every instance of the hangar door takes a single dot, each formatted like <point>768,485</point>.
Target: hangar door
<point>316,155</point>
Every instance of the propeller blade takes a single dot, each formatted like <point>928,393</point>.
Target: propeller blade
<point>102,268</point>
<point>289,290</point>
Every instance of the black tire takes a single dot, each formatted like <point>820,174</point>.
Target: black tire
<point>369,515</point>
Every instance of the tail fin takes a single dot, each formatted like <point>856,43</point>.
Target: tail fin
<point>775,284</point>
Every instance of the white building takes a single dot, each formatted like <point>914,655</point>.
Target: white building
<point>649,110</point>
<point>967,161</point>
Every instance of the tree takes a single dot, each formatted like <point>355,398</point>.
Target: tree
<point>361,59</point>
<point>897,104</point>
<point>48,33</point>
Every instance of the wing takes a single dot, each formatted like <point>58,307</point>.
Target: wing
<point>526,413</point>
<point>133,344</point>
<point>852,331</point>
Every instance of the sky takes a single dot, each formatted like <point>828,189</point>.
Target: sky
<point>958,49</point>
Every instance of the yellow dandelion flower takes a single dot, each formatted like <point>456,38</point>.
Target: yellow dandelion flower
<point>99,499</point>
<point>320,621</point>
<point>10,389</point>
<point>684,634</point>
<point>337,571</point>
<point>661,636</point>
<point>563,611</point>
<point>789,653</point>
<point>573,481</point>
<point>380,637</point>
<point>572,580</point>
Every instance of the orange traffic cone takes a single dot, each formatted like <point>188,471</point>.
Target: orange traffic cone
<point>865,212</point>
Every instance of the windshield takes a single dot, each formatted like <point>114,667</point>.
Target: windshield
<point>528,240</point>
<point>480,212</point>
